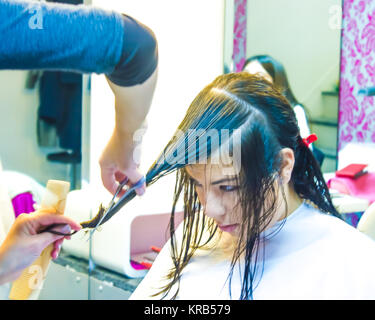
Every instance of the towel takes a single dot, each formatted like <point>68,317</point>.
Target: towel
<point>23,203</point>
<point>361,187</point>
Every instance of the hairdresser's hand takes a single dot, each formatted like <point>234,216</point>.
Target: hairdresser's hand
<point>24,243</point>
<point>120,160</point>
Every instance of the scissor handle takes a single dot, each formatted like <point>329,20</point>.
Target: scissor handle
<point>137,185</point>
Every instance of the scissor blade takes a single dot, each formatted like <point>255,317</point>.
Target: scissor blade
<point>120,203</point>
<point>116,206</point>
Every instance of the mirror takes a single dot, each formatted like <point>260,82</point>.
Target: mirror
<point>301,40</point>
<point>41,126</point>
<point>21,152</point>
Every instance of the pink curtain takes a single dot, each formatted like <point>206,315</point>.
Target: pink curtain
<point>239,34</point>
<point>357,112</point>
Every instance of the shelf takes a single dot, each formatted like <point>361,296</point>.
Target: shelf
<point>329,153</point>
<point>324,122</point>
<point>330,93</point>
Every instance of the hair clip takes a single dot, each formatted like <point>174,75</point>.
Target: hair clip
<point>310,139</point>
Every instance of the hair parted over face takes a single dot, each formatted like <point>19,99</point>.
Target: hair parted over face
<point>266,164</point>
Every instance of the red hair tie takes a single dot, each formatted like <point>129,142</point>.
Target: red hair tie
<point>310,139</point>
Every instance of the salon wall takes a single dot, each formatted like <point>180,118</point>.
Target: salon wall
<point>18,142</point>
<point>293,26</point>
<point>357,113</point>
<point>305,37</point>
<point>229,19</point>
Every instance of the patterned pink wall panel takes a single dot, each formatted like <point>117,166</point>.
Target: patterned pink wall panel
<point>357,112</point>
<point>239,34</point>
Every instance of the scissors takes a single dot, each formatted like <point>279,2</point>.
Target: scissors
<point>113,205</point>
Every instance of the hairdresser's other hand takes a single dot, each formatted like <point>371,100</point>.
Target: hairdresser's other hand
<point>120,160</point>
<point>24,243</point>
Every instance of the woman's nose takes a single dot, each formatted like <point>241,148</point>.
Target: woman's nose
<point>213,207</point>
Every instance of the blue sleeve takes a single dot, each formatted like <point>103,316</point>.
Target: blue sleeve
<point>47,36</point>
<point>139,57</point>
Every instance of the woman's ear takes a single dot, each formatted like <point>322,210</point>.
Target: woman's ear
<point>287,164</point>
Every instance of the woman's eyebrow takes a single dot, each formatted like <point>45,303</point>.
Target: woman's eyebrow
<point>216,182</point>
<point>224,180</point>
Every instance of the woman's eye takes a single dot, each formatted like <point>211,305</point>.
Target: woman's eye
<point>228,188</point>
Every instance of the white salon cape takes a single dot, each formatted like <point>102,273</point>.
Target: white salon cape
<point>313,256</point>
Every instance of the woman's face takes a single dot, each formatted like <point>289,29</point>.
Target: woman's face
<point>217,191</point>
<point>217,188</point>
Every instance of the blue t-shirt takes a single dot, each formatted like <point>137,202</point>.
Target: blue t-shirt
<point>48,36</point>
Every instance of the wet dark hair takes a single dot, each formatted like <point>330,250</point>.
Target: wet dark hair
<point>267,123</point>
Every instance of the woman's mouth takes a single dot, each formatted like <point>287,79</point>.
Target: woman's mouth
<point>229,227</point>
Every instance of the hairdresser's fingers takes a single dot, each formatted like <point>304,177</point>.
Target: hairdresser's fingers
<point>120,176</point>
<point>42,218</point>
<point>134,176</point>
<point>56,248</point>
<point>46,238</point>
<point>108,178</point>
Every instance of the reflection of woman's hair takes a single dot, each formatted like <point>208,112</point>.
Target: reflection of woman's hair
<point>267,124</point>
<point>277,72</point>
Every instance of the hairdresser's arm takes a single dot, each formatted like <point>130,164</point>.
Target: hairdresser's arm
<point>50,36</point>
<point>120,158</point>
<point>24,244</point>
<point>85,39</point>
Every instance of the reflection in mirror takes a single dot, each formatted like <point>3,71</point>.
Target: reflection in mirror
<point>296,44</point>
<point>41,124</point>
